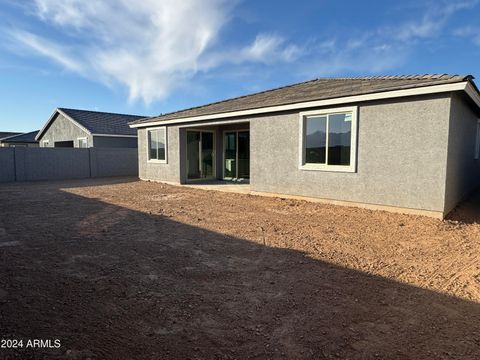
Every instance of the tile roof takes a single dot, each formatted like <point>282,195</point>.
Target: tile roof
<point>23,138</point>
<point>317,89</point>
<point>102,122</point>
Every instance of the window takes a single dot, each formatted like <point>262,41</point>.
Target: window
<point>157,144</point>
<point>477,142</point>
<point>328,139</point>
<point>82,143</point>
<point>46,143</point>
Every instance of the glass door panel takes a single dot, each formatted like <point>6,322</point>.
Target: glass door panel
<point>230,157</point>
<point>207,145</point>
<point>193,155</point>
<point>243,154</point>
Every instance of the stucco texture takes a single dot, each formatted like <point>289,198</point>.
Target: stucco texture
<point>402,150</point>
<point>463,170</point>
<point>400,156</point>
<point>151,170</point>
<point>62,129</point>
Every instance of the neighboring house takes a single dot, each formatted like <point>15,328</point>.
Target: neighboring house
<point>84,129</point>
<point>20,140</point>
<point>400,143</point>
<point>5,135</point>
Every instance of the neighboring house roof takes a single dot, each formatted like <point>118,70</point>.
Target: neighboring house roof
<point>6,135</point>
<point>22,138</point>
<point>96,122</point>
<point>313,90</point>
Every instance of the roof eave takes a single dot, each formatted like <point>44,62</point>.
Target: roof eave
<point>115,135</point>
<point>425,90</point>
<point>21,141</point>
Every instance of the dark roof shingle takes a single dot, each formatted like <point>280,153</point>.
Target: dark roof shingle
<point>23,138</point>
<point>318,89</point>
<point>7,134</point>
<point>102,122</point>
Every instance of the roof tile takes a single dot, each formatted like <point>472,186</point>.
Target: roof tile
<point>102,122</point>
<point>23,138</point>
<point>317,89</point>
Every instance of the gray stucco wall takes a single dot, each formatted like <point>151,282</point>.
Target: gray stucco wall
<point>463,171</point>
<point>169,171</point>
<point>62,129</point>
<point>114,142</point>
<point>401,156</point>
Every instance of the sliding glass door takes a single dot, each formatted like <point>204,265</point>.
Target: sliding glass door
<point>236,163</point>
<point>230,157</point>
<point>193,155</point>
<point>200,154</point>
<point>243,155</point>
<point>208,150</point>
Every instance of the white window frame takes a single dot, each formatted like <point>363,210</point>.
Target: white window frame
<point>164,128</point>
<point>46,143</point>
<point>477,141</point>
<point>78,142</point>
<point>353,145</point>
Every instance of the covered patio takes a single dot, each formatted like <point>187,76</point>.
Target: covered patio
<point>216,155</point>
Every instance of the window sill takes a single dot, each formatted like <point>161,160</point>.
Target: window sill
<point>327,168</point>
<point>153,161</point>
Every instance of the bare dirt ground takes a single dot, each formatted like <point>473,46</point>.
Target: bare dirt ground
<point>139,270</point>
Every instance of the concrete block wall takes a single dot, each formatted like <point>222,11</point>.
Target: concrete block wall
<point>7,164</point>
<point>106,162</point>
<point>51,164</point>
<point>32,164</point>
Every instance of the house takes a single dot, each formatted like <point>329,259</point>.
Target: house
<point>84,129</point>
<point>20,140</point>
<point>6,134</point>
<point>400,143</point>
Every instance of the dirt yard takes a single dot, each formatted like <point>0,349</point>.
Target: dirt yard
<point>139,270</point>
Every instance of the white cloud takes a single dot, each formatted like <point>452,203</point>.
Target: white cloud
<point>386,48</point>
<point>47,48</point>
<point>433,21</point>
<point>145,45</point>
<point>472,32</point>
<point>149,46</point>
<point>152,47</point>
<point>265,49</point>
<point>362,56</point>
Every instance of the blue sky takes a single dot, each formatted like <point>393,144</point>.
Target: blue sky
<point>154,56</point>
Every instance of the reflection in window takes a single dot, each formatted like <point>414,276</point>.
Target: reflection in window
<point>316,140</point>
<point>328,139</point>
<point>156,141</point>
<point>339,139</point>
